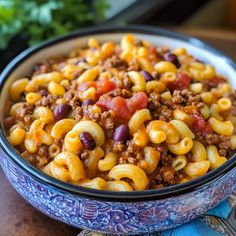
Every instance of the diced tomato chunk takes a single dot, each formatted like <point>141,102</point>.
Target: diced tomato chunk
<point>86,85</point>
<point>120,108</point>
<point>217,80</point>
<point>116,104</point>
<point>153,50</point>
<point>102,86</point>
<point>123,108</point>
<point>199,125</point>
<point>208,129</point>
<point>190,109</point>
<point>138,101</point>
<point>182,82</point>
<point>153,54</point>
<point>105,102</point>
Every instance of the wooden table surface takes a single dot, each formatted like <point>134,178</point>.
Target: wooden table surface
<point>18,218</point>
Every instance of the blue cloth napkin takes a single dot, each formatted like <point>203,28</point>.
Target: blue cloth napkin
<point>220,221</point>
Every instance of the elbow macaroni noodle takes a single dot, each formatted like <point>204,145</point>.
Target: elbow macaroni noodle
<point>138,81</point>
<point>108,162</point>
<point>183,129</point>
<point>91,163</point>
<point>182,147</point>
<point>140,137</point>
<point>172,135</point>
<point>213,156</point>
<point>17,88</point>
<point>199,152</point>
<point>179,163</point>
<point>197,169</point>
<point>118,185</point>
<point>62,127</point>
<point>221,127</point>
<point>133,172</point>
<point>138,118</point>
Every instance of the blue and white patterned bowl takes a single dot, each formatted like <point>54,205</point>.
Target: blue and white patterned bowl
<point>103,211</point>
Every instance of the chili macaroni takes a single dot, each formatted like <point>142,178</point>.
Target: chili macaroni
<point>123,117</point>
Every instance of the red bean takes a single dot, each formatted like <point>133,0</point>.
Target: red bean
<point>147,76</point>
<point>43,93</point>
<point>9,122</point>
<point>87,102</point>
<point>172,58</point>
<point>80,60</point>
<point>87,141</point>
<point>121,133</point>
<point>61,111</point>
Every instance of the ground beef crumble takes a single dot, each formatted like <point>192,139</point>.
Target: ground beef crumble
<point>39,159</point>
<point>114,62</point>
<point>44,67</point>
<point>43,151</point>
<point>107,120</point>
<point>127,82</point>
<point>186,98</point>
<point>85,111</point>
<point>168,175</point>
<point>47,101</point>
<point>207,85</point>
<point>132,155</point>
<point>120,92</point>
<point>164,176</point>
<point>118,146</point>
<point>133,65</point>
<point>24,110</point>
<point>154,101</point>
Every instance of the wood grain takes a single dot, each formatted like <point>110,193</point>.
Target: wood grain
<point>18,218</point>
<point>230,13</point>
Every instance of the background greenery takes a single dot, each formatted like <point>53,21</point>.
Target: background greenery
<point>36,20</point>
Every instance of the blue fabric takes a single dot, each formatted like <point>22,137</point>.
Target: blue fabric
<point>211,224</point>
<point>199,227</point>
<point>222,210</point>
<point>195,228</point>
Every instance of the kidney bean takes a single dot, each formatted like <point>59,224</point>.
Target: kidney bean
<point>147,76</point>
<point>121,133</point>
<point>172,58</point>
<point>87,102</point>
<point>9,122</point>
<point>43,93</point>
<point>80,60</point>
<point>61,111</point>
<point>87,141</point>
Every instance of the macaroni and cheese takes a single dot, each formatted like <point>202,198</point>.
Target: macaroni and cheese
<point>123,117</point>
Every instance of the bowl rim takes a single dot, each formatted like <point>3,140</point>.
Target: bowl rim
<point>134,196</point>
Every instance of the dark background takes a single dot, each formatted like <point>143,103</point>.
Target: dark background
<point>193,15</point>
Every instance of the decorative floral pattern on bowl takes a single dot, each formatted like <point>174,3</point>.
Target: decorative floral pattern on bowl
<point>118,217</point>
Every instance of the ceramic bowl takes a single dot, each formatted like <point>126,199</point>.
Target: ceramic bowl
<point>112,212</point>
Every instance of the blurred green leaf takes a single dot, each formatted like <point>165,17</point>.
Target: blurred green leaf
<point>42,19</point>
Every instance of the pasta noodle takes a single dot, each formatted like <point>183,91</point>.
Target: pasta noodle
<point>123,116</point>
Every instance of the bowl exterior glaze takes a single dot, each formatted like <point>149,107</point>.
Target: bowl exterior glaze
<point>117,217</point>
